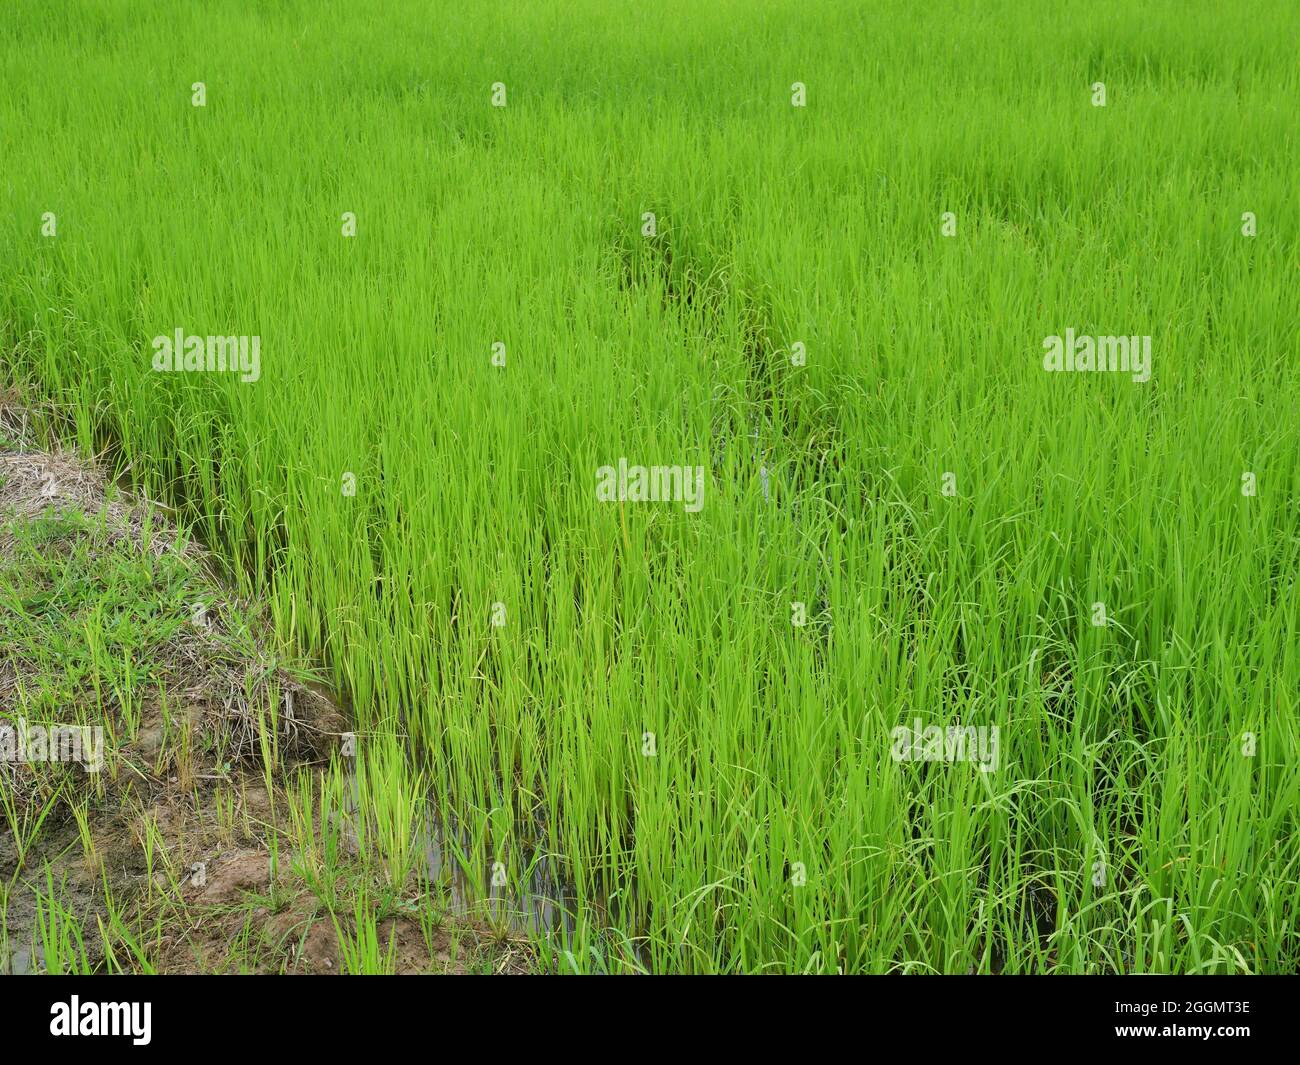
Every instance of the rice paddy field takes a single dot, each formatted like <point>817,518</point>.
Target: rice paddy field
<point>812,257</point>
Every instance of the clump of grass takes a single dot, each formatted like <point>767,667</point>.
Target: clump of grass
<point>390,798</point>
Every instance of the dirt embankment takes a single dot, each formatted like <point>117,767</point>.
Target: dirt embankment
<point>209,839</point>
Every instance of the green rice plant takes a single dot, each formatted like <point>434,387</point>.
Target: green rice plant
<point>24,816</point>
<point>89,849</point>
<point>114,933</point>
<point>316,808</point>
<point>360,952</point>
<point>152,847</point>
<point>63,947</point>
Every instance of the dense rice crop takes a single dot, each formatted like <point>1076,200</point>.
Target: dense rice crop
<point>814,249</point>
